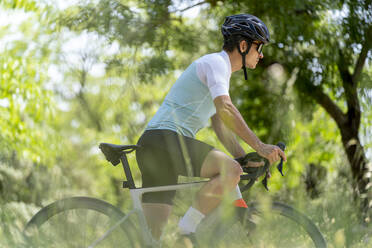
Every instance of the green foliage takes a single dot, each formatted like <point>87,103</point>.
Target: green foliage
<point>51,128</point>
<point>308,36</point>
<point>27,5</point>
<point>147,27</point>
<point>26,105</point>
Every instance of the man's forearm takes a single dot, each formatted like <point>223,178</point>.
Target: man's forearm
<point>232,118</point>
<point>227,137</point>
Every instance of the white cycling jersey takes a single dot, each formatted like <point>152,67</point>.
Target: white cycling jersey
<point>189,103</point>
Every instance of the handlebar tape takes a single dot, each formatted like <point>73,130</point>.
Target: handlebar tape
<point>255,172</point>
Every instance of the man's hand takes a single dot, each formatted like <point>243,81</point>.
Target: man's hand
<point>271,153</point>
<point>254,164</point>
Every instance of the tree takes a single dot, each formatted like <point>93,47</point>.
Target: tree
<point>27,137</point>
<point>26,107</point>
<point>321,47</point>
<point>325,45</point>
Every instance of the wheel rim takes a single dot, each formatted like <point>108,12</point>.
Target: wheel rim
<point>277,226</point>
<point>77,223</point>
<point>290,228</point>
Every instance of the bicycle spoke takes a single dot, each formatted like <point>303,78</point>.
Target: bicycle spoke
<point>76,228</point>
<point>278,226</point>
<point>282,226</point>
<point>278,231</point>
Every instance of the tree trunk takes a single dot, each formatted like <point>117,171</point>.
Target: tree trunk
<point>359,169</point>
<point>349,127</point>
<point>349,122</point>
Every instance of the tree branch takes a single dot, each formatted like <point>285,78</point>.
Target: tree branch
<point>309,10</point>
<point>326,102</point>
<point>362,58</point>
<point>190,7</point>
<point>84,103</point>
<point>343,65</point>
<point>351,93</point>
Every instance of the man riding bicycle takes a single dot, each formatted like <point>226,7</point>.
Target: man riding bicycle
<point>168,145</point>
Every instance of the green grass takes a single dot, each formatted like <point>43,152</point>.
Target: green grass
<point>334,212</point>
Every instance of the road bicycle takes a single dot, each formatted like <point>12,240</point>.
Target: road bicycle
<point>88,222</point>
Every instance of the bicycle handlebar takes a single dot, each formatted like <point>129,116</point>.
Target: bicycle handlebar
<point>255,172</point>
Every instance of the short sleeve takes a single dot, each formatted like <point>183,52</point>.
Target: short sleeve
<point>214,72</point>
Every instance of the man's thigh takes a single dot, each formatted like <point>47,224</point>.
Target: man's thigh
<point>217,162</point>
<point>188,155</point>
<point>156,170</point>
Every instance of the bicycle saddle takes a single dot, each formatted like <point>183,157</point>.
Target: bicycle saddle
<point>113,152</point>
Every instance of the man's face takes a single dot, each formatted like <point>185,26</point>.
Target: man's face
<point>253,56</point>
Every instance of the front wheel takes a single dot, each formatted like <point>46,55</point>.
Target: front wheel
<point>280,225</point>
<point>79,222</point>
<point>270,225</point>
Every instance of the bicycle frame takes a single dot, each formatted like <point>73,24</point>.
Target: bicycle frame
<point>114,156</point>
<point>136,196</point>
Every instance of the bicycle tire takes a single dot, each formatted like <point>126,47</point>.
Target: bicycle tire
<point>226,228</point>
<point>52,216</point>
<point>289,212</point>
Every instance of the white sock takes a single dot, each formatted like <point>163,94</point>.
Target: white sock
<point>236,194</point>
<point>190,221</point>
<point>193,217</point>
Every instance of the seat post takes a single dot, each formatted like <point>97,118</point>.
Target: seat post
<point>129,183</point>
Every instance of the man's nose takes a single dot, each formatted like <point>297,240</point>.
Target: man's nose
<point>261,55</point>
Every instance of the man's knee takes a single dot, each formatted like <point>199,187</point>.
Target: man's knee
<point>234,171</point>
<point>218,163</point>
<point>230,170</point>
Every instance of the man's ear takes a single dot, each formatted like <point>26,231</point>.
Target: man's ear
<point>243,46</point>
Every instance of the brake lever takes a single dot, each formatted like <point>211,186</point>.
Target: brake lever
<point>264,181</point>
<point>281,145</point>
<point>254,157</point>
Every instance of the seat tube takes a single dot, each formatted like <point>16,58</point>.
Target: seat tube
<point>136,195</point>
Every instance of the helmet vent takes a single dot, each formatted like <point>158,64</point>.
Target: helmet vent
<point>246,25</point>
<point>259,32</point>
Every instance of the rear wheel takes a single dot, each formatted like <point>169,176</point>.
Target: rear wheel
<point>79,222</point>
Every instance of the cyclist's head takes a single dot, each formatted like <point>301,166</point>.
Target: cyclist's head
<point>249,28</point>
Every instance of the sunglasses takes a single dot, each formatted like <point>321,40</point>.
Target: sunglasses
<point>259,47</point>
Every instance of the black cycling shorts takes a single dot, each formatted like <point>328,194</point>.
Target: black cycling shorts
<point>163,156</point>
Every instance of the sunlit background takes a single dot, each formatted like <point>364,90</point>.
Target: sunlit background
<point>77,73</point>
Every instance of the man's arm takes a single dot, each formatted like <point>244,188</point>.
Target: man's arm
<point>232,118</point>
<point>227,137</point>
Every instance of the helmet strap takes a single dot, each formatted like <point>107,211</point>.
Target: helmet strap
<point>243,57</point>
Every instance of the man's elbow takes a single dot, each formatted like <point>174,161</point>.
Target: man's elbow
<point>224,108</point>
<point>225,112</point>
